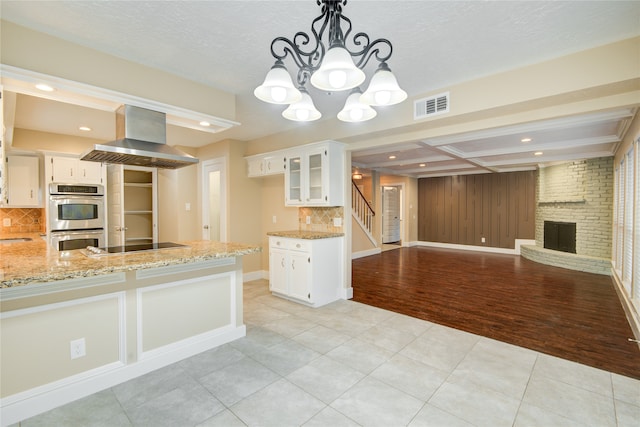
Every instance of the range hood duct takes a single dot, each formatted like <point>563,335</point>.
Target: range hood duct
<point>141,141</point>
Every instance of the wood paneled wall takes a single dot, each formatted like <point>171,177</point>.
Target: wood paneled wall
<point>463,209</point>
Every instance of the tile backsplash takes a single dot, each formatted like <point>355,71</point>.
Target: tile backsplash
<point>321,219</point>
<point>23,220</point>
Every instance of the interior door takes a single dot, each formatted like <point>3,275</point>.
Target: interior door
<point>391,214</point>
<point>214,200</point>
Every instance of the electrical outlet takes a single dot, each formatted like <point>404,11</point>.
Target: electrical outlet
<point>77,348</point>
<point>187,206</point>
<point>483,240</point>
<point>274,219</point>
<point>6,222</point>
<point>337,222</point>
<point>308,219</point>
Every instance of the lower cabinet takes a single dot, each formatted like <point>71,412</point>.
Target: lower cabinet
<point>306,270</point>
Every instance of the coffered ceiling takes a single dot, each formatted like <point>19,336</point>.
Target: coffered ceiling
<point>225,44</point>
<point>506,149</point>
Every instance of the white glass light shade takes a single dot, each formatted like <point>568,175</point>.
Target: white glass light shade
<point>303,110</point>
<point>383,89</point>
<point>356,111</point>
<point>337,71</point>
<point>277,87</point>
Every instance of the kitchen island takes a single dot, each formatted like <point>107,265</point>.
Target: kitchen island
<point>72,325</point>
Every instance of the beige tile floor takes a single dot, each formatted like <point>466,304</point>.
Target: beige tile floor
<point>348,364</point>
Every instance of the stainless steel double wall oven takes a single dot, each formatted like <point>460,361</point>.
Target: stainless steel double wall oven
<point>76,216</point>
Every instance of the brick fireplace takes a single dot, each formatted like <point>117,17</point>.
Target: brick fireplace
<point>579,193</point>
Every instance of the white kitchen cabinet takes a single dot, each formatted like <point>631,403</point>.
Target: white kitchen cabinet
<point>73,170</point>
<point>314,175</point>
<point>132,207</point>
<point>23,181</point>
<point>306,270</point>
<point>265,164</point>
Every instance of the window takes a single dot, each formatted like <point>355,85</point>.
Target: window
<point>635,294</point>
<point>619,219</point>
<point>627,267</point>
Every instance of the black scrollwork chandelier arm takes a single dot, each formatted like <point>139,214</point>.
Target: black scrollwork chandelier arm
<point>308,51</point>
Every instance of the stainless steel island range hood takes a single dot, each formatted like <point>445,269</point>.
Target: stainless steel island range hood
<point>141,141</point>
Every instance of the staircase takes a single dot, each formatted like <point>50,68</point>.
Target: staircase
<point>362,212</point>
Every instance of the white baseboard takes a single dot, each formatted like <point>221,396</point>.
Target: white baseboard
<point>35,401</point>
<point>632,314</point>
<point>346,293</point>
<point>255,275</point>
<point>368,252</point>
<point>467,247</point>
<point>521,242</point>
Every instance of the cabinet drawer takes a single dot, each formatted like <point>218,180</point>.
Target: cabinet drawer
<point>278,242</point>
<point>299,245</point>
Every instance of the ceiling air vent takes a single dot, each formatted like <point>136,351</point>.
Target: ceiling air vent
<point>426,107</point>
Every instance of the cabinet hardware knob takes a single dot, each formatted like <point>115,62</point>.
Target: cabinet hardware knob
<point>206,227</point>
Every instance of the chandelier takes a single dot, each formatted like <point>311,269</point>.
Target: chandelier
<point>330,66</point>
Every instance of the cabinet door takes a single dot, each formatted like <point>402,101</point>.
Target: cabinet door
<point>23,181</point>
<point>278,271</point>
<point>299,283</point>
<point>254,167</point>
<point>64,169</point>
<point>115,206</point>
<point>294,181</point>
<point>89,172</point>
<point>316,170</point>
<point>274,165</point>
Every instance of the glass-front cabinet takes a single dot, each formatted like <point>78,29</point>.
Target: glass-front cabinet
<point>294,180</point>
<point>313,175</point>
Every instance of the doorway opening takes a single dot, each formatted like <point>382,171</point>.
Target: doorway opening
<point>214,200</point>
<point>391,216</point>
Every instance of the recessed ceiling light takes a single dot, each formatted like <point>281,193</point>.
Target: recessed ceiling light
<point>205,124</point>
<point>538,153</point>
<point>85,128</point>
<point>525,140</point>
<point>392,157</point>
<point>44,87</point>
<point>423,165</point>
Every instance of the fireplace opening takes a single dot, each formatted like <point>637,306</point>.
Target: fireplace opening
<point>560,236</point>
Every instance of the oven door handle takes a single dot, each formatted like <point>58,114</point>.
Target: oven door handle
<point>59,197</point>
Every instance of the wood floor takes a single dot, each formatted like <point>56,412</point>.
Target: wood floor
<point>564,313</point>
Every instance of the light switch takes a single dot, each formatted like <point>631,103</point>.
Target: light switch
<point>308,219</point>
<point>274,219</point>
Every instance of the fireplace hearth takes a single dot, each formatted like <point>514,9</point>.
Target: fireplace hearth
<point>560,236</point>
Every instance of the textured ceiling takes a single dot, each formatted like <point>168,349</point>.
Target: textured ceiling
<point>225,44</point>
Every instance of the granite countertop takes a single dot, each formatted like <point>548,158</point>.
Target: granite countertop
<point>22,263</point>
<point>300,234</point>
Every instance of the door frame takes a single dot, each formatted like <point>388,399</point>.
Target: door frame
<point>400,185</point>
<point>216,164</point>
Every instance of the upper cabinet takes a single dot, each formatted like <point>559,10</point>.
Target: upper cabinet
<point>314,175</point>
<point>74,170</point>
<point>266,164</point>
<point>23,181</point>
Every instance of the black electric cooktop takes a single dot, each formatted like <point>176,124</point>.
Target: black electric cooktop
<point>93,251</point>
<point>142,247</point>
